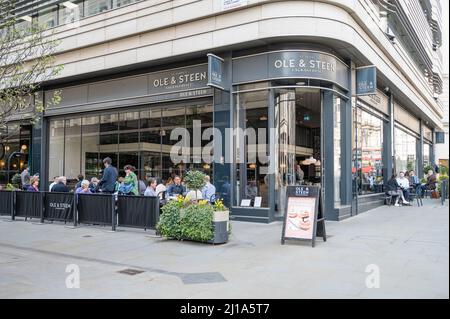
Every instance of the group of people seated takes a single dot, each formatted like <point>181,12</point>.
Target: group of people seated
<point>110,183</point>
<point>401,186</point>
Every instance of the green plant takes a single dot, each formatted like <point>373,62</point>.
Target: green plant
<point>10,187</point>
<point>169,223</point>
<point>194,180</point>
<point>16,180</point>
<point>439,186</point>
<point>423,180</point>
<point>196,223</point>
<point>443,170</point>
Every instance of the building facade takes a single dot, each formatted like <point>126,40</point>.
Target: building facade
<point>134,71</point>
<point>442,147</point>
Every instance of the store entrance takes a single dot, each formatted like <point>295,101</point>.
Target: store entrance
<point>298,150</point>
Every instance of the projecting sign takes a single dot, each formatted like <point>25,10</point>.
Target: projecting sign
<point>366,80</point>
<point>215,71</point>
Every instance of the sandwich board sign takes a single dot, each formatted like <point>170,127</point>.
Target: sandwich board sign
<point>303,218</point>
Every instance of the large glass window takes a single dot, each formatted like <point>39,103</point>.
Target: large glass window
<point>405,151</point>
<point>97,6</point>
<point>72,12</point>
<point>90,162</point>
<point>368,152</point>
<point>251,174</point>
<point>48,17</point>
<point>56,149</point>
<point>426,154</point>
<point>337,123</point>
<point>139,138</point>
<point>72,149</point>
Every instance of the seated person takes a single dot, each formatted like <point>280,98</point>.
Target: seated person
<point>431,181</point>
<point>176,188</point>
<point>209,190</point>
<point>403,182</point>
<point>393,189</point>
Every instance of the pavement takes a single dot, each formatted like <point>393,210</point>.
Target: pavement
<point>388,252</point>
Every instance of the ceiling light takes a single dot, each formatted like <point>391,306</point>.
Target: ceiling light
<point>70,5</point>
<point>263,118</point>
<point>301,83</point>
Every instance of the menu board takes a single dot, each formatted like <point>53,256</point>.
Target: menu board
<point>300,217</point>
<point>303,214</point>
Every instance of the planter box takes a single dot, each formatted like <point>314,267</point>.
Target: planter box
<point>221,221</point>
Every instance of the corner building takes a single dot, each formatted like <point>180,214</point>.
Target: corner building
<point>136,70</point>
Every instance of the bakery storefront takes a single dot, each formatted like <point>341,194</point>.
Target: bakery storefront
<point>292,105</point>
<point>278,118</point>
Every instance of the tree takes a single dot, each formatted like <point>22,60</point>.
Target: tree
<point>26,61</point>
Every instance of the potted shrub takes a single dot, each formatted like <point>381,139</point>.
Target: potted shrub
<point>194,180</point>
<point>439,186</point>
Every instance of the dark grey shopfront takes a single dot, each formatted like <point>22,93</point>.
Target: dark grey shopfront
<point>298,103</point>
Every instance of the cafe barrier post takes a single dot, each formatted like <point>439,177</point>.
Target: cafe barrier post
<point>113,211</point>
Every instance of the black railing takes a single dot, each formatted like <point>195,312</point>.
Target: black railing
<point>99,209</point>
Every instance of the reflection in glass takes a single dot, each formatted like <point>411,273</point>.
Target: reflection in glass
<point>405,151</point>
<point>91,165</point>
<point>252,179</point>
<point>337,123</point>
<point>368,153</point>
<point>56,149</point>
<point>72,148</point>
<point>426,154</point>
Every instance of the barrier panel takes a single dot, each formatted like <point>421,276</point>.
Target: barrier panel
<point>6,202</point>
<point>28,204</point>
<point>59,206</point>
<point>96,209</point>
<point>138,211</point>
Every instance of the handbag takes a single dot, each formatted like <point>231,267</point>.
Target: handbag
<point>125,189</point>
<point>435,194</point>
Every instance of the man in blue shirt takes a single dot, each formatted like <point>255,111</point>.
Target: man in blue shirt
<point>208,190</point>
<point>176,188</point>
<point>108,182</point>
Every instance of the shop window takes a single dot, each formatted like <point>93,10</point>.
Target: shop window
<point>97,6</point>
<point>405,151</point>
<point>368,153</point>
<point>90,163</point>
<point>56,149</point>
<point>251,149</point>
<point>72,149</point>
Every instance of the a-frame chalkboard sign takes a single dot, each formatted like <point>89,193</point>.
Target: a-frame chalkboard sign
<point>303,218</point>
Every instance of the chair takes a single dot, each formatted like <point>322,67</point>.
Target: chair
<point>388,199</point>
<point>415,194</point>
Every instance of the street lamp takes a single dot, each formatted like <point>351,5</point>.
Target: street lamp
<point>13,154</point>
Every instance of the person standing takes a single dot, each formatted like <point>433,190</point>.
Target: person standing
<point>131,180</point>
<point>80,178</point>
<point>55,181</point>
<point>34,184</point>
<point>25,177</point>
<point>108,182</point>
<point>61,185</point>
<point>209,190</point>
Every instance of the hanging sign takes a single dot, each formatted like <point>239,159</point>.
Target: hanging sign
<point>215,71</point>
<point>366,80</point>
<point>303,218</point>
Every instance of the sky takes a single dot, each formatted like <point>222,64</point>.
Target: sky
<point>445,39</point>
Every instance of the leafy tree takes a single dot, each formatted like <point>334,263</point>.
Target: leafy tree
<point>26,61</point>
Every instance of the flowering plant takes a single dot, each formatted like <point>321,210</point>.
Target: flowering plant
<point>219,206</point>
